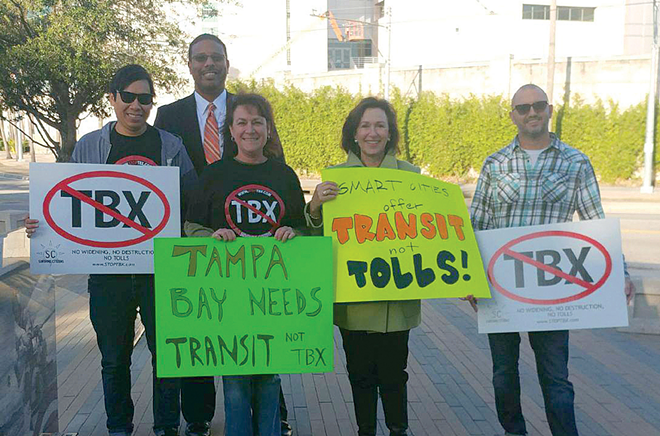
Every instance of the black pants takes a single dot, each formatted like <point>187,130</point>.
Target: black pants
<point>198,399</point>
<point>377,362</point>
<point>113,303</point>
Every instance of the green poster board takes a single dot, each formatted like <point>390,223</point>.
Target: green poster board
<point>250,306</point>
<point>400,236</point>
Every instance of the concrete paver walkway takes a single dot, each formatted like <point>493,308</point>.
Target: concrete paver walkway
<point>616,377</point>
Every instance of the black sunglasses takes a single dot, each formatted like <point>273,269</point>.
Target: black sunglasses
<point>129,97</point>
<point>523,109</point>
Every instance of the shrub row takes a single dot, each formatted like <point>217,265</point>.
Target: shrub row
<point>450,138</point>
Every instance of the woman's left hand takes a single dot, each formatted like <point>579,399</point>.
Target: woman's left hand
<point>284,233</point>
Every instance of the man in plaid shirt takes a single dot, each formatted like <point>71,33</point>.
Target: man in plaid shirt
<point>537,179</point>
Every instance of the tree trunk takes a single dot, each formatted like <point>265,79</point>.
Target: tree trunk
<point>16,137</point>
<point>32,131</point>
<point>69,136</point>
<point>5,140</point>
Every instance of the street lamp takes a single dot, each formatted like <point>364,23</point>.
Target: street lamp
<point>649,172</point>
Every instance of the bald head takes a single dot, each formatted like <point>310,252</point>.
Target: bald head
<point>527,87</point>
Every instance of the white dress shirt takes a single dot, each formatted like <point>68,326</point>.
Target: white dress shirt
<point>220,113</point>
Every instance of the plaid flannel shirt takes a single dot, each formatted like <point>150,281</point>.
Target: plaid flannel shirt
<point>512,193</point>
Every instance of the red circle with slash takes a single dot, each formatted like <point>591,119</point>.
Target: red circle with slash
<point>236,195</point>
<point>590,288</point>
<point>146,233</point>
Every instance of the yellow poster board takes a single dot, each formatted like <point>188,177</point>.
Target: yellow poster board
<point>398,235</point>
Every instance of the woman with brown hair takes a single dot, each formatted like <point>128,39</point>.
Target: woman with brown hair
<point>375,334</point>
<point>250,192</point>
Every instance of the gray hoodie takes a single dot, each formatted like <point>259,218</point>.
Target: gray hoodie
<point>94,148</point>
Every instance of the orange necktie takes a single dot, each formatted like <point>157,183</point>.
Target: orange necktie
<point>211,137</point>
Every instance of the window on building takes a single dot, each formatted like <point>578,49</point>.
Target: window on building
<point>564,13</point>
<point>536,12</point>
<point>348,54</point>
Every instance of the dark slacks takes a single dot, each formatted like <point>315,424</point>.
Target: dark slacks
<point>198,399</point>
<point>376,362</point>
<point>113,303</point>
<point>551,352</point>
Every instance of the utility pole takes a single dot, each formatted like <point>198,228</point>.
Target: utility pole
<point>649,142</point>
<point>388,66</point>
<point>550,85</point>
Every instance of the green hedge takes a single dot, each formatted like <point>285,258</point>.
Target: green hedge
<point>448,137</point>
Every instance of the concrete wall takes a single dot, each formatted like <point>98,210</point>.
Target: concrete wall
<point>622,79</point>
<point>28,365</point>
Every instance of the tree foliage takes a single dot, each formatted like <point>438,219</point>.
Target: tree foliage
<point>57,56</point>
<point>450,138</point>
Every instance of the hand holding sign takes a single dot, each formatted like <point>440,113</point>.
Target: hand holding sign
<point>284,233</point>
<point>224,235</point>
<point>325,191</point>
<point>31,226</point>
<point>472,300</point>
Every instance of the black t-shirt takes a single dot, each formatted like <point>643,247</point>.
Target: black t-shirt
<point>135,150</point>
<point>253,200</point>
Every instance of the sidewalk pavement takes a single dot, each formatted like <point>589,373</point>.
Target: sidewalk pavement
<point>12,169</point>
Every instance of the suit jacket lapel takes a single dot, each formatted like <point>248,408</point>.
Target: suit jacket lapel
<point>190,114</point>
<point>191,125</point>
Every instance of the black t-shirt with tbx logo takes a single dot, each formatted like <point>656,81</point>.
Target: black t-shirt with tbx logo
<point>252,200</point>
<point>135,150</point>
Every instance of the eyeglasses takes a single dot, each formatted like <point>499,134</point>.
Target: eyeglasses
<point>201,58</point>
<point>523,109</point>
<point>129,97</point>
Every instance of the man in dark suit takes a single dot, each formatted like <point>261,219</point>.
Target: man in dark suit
<point>199,120</point>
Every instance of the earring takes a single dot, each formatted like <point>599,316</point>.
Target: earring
<point>355,140</point>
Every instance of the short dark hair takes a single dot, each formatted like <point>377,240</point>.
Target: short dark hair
<point>273,148</point>
<point>355,116</point>
<point>205,36</point>
<point>128,74</point>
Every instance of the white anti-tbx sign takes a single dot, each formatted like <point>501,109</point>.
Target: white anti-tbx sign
<point>553,277</point>
<point>101,218</point>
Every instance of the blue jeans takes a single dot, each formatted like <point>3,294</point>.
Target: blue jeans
<point>113,303</point>
<point>242,393</point>
<point>551,352</point>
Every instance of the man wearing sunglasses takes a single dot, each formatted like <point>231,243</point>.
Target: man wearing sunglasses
<point>115,298</point>
<point>537,179</point>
